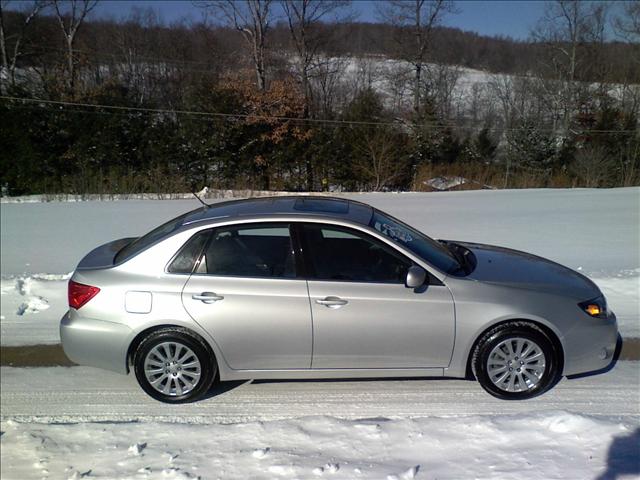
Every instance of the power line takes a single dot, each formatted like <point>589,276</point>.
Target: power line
<point>230,116</point>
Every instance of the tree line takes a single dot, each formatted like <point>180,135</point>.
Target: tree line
<point>299,95</point>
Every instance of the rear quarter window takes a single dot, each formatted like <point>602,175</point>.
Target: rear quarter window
<point>189,254</point>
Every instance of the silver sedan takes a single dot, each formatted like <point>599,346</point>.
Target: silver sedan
<point>317,287</point>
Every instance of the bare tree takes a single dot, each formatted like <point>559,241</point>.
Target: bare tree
<point>143,55</point>
<point>628,25</point>
<point>70,20</point>
<point>629,164</point>
<point>327,82</point>
<point>593,167</point>
<point>376,158</point>
<point>565,29</point>
<point>397,77</point>
<point>441,81</point>
<point>303,18</point>
<point>252,19</point>
<point>10,59</point>
<point>415,21</point>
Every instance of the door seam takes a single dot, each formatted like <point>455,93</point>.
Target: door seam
<point>312,325</point>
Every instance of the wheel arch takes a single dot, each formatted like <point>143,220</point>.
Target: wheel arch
<point>546,329</point>
<point>142,334</point>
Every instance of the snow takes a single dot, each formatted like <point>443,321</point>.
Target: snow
<point>592,231</point>
<point>84,394</point>
<point>555,445</point>
<point>71,421</point>
<point>31,307</point>
<point>623,294</point>
<point>82,421</point>
<point>445,183</point>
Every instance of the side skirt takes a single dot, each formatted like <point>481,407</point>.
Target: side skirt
<point>316,373</point>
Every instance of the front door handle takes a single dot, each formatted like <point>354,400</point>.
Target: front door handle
<point>332,302</point>
<point>207,297</point>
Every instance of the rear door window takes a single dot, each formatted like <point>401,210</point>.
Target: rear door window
<point>255,250</point>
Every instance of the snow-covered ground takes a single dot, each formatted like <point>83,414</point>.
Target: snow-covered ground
<point>85,423</point>
<point>78,419</point>
<point>594,231</point>
<point>558,445</point>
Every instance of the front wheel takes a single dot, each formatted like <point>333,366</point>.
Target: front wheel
<point>174,366</point>
<point>515,361</point>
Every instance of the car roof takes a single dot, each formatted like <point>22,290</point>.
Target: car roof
<point>303,205</point>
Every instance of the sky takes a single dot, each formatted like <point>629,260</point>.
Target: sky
<point>513,18</point>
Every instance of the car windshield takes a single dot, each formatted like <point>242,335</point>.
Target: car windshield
<point>150,238</point>
<point>423,246</point>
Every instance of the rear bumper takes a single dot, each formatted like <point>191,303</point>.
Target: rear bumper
<point>591,346</point>
<point>95,343</point>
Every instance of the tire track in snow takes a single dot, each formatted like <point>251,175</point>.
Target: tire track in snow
<point>85,394</point>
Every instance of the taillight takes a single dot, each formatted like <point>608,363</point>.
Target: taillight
<point>79,294</point>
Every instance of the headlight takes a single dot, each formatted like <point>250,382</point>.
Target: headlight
<point>596,307</point>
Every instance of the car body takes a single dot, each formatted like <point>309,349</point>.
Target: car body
<point>317,287</point>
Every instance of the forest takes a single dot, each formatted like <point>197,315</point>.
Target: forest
<point>299,95</point>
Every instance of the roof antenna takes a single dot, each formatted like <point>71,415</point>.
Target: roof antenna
<point>206,205</point>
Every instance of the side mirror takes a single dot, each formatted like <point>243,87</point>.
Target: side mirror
<point>416,277</point>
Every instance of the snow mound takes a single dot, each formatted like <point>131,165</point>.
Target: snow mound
<point>408,474</point>
<point>23,285</point>
<point>32,305</point>
<point>31,308</point>
<point>137,448</point>
<point>332,467</point>
<point>445,183</point>
<point>52,277</point>
<point>552,445</point>
<point>260,452</point>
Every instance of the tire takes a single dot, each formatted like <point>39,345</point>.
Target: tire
<point>174,365</point>
<point>516,361</point>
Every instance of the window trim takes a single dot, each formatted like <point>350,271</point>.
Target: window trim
<point>300,257</point>
<point>308,262</point>
<point>240,225</point>
<point>184,245</point>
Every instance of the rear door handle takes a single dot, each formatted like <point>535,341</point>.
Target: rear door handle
<point>332,302</point>
<point>207,297</point>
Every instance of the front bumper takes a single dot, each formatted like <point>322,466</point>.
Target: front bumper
<point>95,343</point>
<point>590,346</point>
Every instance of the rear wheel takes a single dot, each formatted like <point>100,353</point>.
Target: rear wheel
<point>174,366</point>
<point>515,361</point>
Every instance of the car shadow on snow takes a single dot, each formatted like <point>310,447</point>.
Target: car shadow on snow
<point>220,388</point>
<point>623,457</point>
<point>352,379</point>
